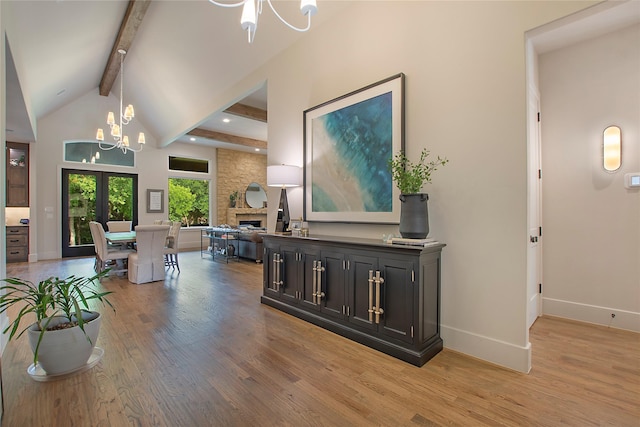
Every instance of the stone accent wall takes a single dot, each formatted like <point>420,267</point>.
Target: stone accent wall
<point>235,171</point>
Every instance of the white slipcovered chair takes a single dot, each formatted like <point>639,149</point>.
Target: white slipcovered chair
<point>119,226</point>
<point>171,248</point>
<point>105,253</point>
<point>147,264</point>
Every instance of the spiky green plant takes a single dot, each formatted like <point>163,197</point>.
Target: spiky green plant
<point>50,297</point>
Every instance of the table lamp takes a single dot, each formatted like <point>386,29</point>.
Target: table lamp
<point>283,176</point>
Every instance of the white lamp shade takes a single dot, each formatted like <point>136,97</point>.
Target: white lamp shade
<point>308,6</point>
<point>284,176</point>
<point>248,19</point>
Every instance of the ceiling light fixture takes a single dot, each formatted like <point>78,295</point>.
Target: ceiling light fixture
<point>117,130</point>
<point>252,9</point>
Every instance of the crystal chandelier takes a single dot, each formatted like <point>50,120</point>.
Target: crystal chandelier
<point>252,9</point>
<point>120,141</point>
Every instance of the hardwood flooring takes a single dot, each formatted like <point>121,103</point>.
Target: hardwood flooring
<point>200,350</point>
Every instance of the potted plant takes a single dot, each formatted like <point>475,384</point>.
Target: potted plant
<point>410,178</point>
<point>232,199</point>
<point>65,330</point>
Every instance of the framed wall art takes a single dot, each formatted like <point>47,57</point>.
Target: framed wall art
<point>348,142</point>
<point>155,201</point>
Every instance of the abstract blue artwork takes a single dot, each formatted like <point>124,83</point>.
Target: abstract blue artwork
<point>348,144</point>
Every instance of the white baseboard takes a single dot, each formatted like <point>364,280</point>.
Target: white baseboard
<point>495,351</point>
<point>47,255</point>
<point>33,258</point>
<point>598,315</point>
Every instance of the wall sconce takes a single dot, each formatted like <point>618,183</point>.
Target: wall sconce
<point>611,149</point>
<point>283,176</point>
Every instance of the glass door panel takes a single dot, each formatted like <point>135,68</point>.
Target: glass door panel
<point>120,189</point>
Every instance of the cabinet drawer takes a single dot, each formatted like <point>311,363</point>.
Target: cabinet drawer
<point>17,230</point>
<point>16,240</point>
<point>16,254</point>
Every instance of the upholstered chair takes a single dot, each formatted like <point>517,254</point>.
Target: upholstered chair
<point>105,253</point>
<point>119,226</point>
<point>171,248</point>
<point>147,264</point>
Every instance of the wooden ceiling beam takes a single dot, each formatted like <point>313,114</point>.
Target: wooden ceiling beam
<point>128,29</point>
<point>247,112</point>
<point>225,137</point>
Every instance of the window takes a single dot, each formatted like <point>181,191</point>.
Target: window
<point>185,164</point>
<point>189,201</point>
<point>90,152</point>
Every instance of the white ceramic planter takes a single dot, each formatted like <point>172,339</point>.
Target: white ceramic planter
<point>65,350</point>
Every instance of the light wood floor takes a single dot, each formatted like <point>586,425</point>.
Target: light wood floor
<point>200,350</point>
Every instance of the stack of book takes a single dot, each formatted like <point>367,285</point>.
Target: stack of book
<point>413,242</point>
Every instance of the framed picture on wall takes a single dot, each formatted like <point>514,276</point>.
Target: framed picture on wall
<point>155,201</point>
<point>348,143</point>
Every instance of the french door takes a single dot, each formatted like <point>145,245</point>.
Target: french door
<point>94,196</point>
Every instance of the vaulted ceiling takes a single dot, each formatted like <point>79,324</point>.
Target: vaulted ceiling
<point>184,57</point>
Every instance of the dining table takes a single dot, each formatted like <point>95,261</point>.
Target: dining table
<point>120,237</point>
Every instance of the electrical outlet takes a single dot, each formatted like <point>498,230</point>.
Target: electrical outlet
<point>613,315</point>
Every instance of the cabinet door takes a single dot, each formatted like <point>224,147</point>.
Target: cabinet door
<point>332,284</point>
<point>358,291</point>
<point>305,286</point>
<point>271,270</point>
<point>17,174</point>
<point>291,271</point>
<point>397,299</point>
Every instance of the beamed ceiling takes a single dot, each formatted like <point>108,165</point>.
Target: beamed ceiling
<point>182,58</point>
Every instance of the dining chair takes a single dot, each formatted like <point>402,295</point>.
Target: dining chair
<point>96,238</point>
<point>171,247</point>
<point>106,254</point>
<point>147,264</point>
<point>119,226</point>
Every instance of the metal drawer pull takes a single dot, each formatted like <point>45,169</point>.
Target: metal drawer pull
<point>375,309</point>
<point>276,271</point>
<point>317,282</point>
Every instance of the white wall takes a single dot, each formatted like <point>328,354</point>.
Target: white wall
<point>78,121</point>
<point>591,222</point>
<point>465,99</point>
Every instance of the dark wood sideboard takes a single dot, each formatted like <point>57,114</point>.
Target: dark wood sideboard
<point>384,296</point>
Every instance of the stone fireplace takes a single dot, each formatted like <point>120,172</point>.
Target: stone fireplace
<point>235,215</point>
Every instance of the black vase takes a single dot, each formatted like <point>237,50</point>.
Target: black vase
<point>414,216</point>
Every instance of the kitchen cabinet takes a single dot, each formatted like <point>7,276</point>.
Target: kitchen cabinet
<point>384,296</point>
<point>17,168</point>
<point>17,243</point>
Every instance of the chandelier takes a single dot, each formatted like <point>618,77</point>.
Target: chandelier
<point>252,9</point>
<point>120,141</point>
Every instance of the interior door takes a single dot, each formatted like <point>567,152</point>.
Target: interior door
<point>534,218</point>
<point>94,196</point>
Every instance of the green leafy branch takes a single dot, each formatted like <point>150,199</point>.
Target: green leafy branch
<point>410,177</point>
